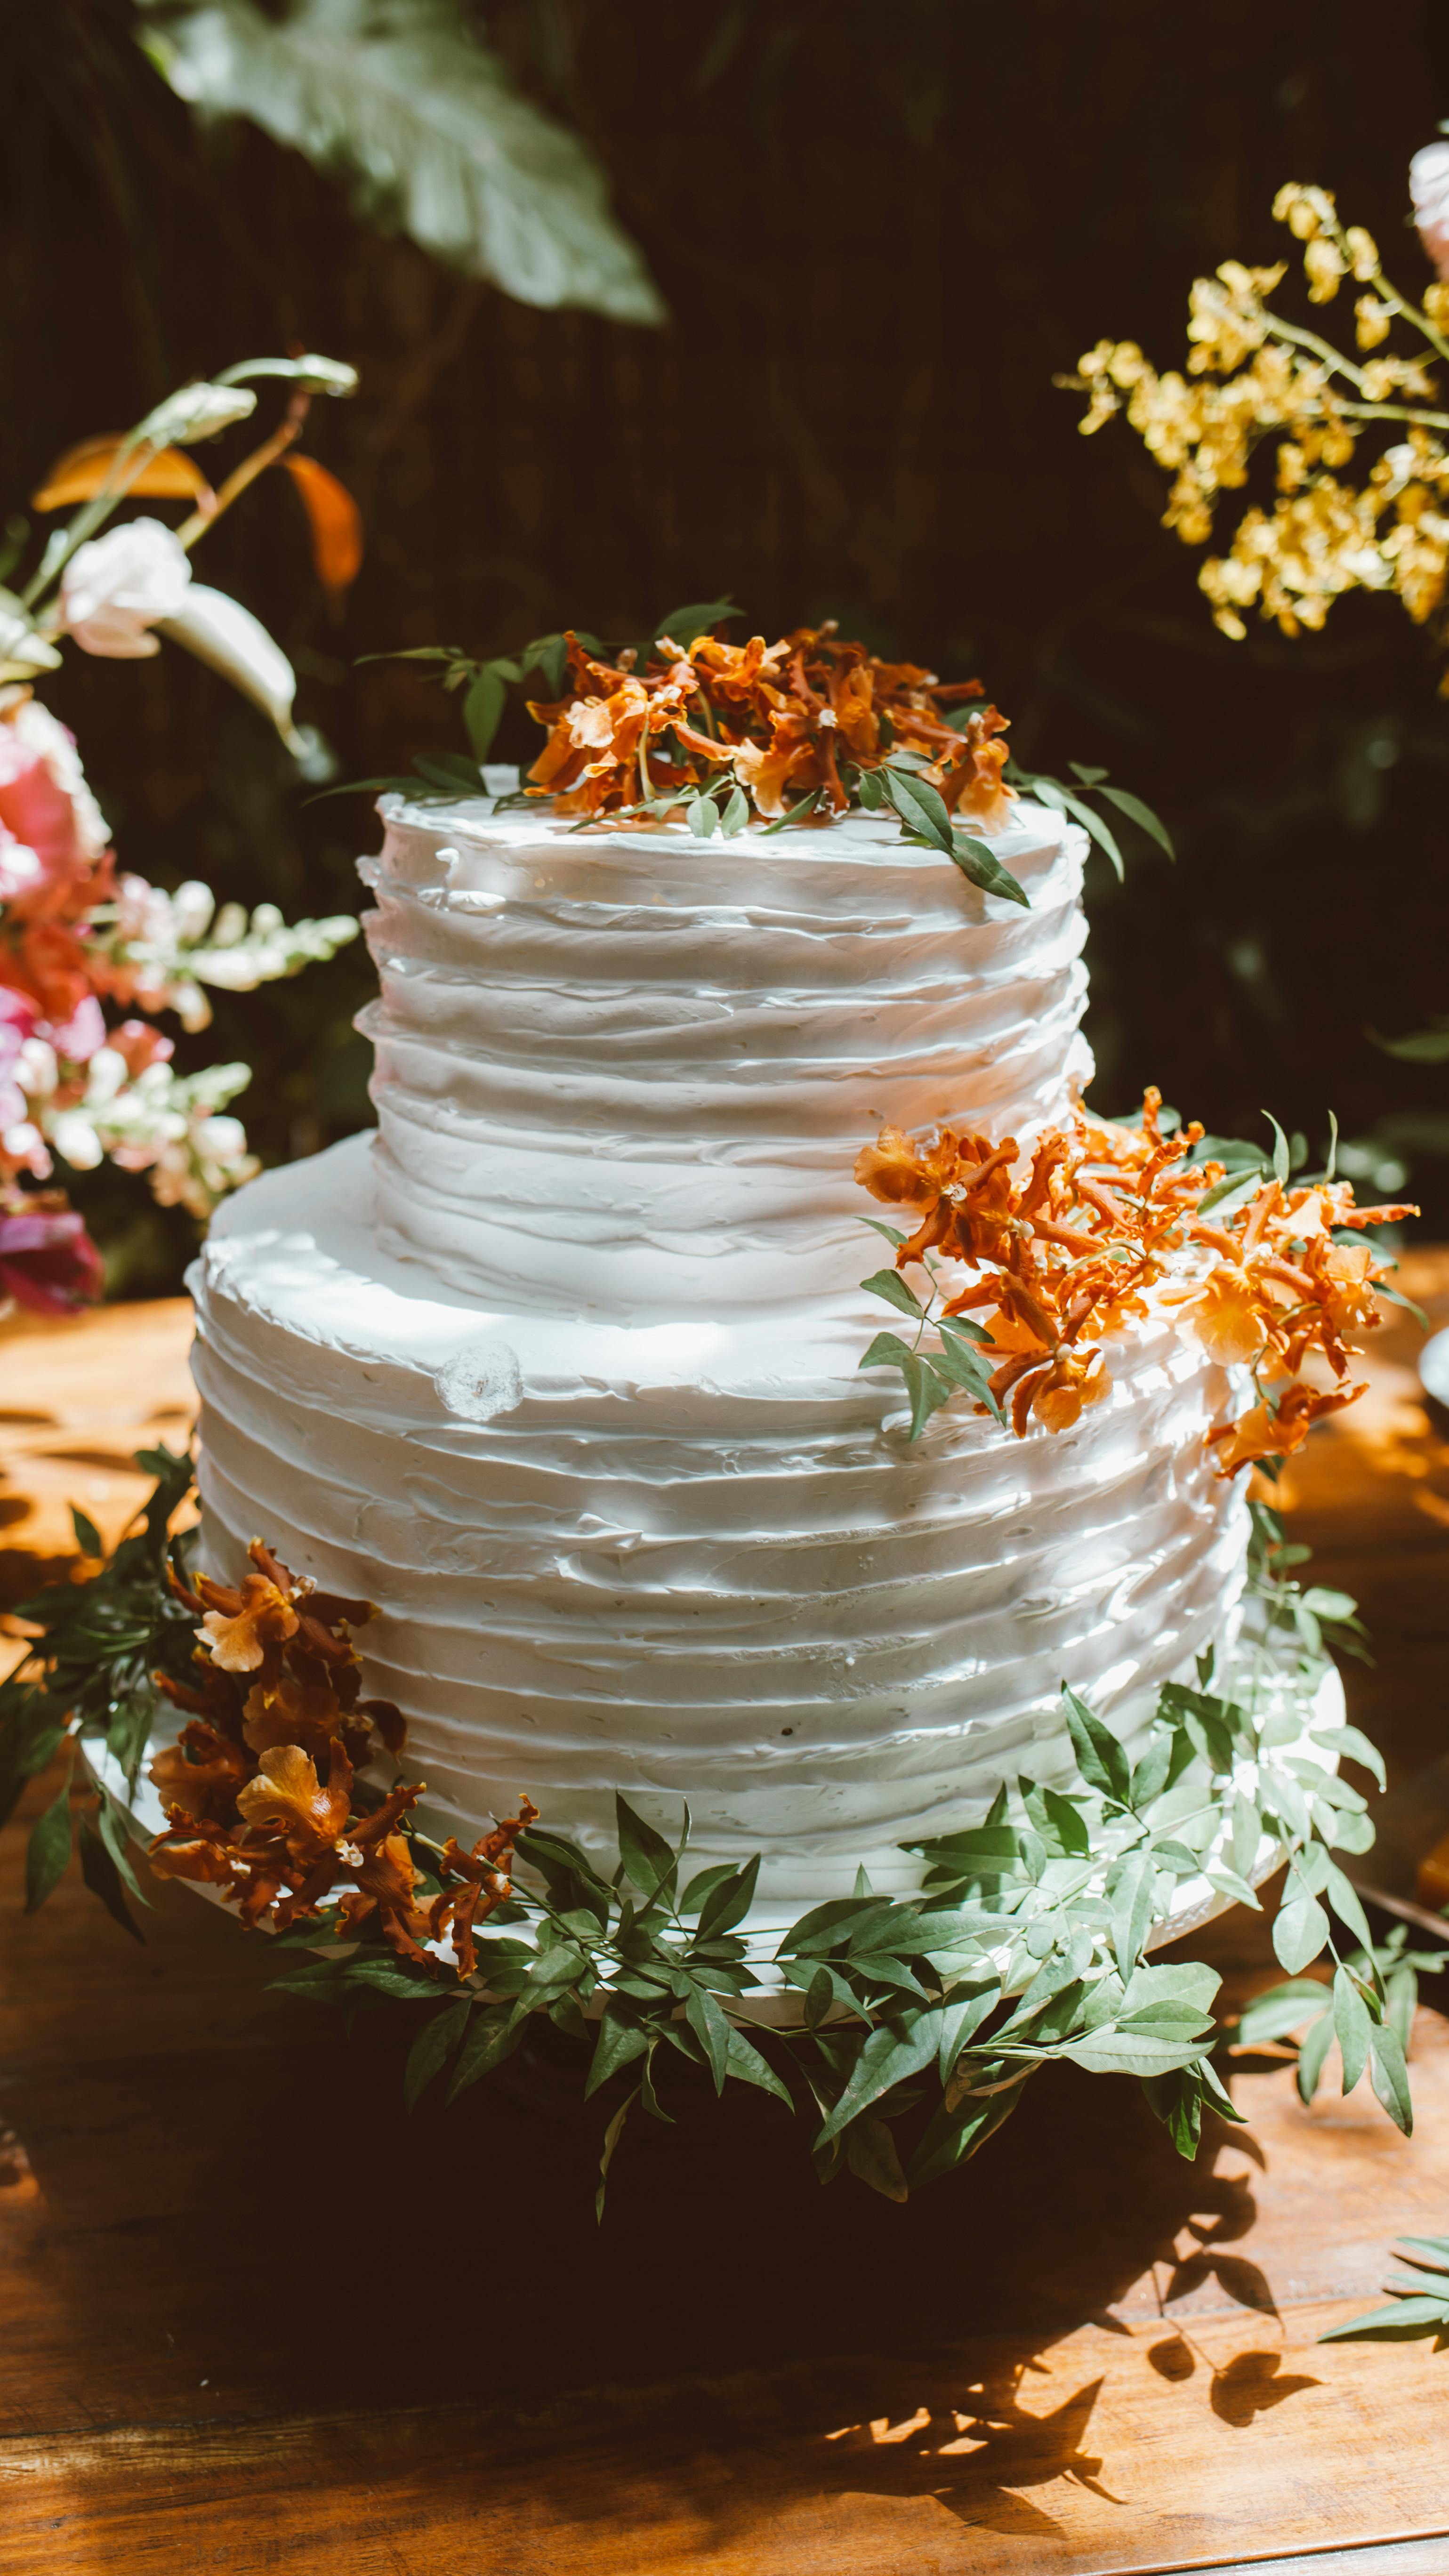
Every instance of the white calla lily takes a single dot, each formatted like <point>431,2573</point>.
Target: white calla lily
<point>219,631</point>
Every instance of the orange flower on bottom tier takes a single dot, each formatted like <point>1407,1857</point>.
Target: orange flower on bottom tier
<point>1069,1243</point>
<point>261,1791</point>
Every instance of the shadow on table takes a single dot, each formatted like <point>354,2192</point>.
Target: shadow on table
<point>256,2230</point>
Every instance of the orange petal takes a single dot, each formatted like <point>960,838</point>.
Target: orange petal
<point>334,520</point>
<point>287,1791</point>
<point>80,472</point>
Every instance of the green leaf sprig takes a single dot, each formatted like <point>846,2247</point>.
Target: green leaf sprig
<point>89,1670</point>
<point>921,2017</point>
<point>1073,800</point>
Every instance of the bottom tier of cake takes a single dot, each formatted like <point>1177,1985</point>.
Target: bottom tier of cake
<point>696,1561</point>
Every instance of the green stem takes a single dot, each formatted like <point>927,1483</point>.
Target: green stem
<point>1410,313</point>
<point>1324,349</point>
<point>1395,411</point>
<point>128,464</point>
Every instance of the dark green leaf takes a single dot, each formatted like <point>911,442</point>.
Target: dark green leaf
<point>1352,2026</point>
<point>894,2050</point>
<point>1344,1898</point>
<point>612,2135</point>
<point>684,626</point>
<point>1407,2321</point>
<point>432,2048</point>
<point>927,1389</point>
<point>952,2136</point>
<point>48,1850</point>
<point>920,806</point>
<point>870,2152</point>
<point>1282,1166</point>
<point>111,1826</point>
<point>1300,1932</point>
<point>621,2039</point>
<point>1312,2052</point>
<point>978,861</point>
<point>886,1351</point>
<point>891,1287</point>
<point>87,1536</point>
<point>1130,2052</point>
<point>1237,1186</point>
<point>1390,2078</point>
<point>746,2062</point>
<point>711,2029</point>
<point>1284,2009</point>
<point>703,1885</point>
<point>648,1858</point>
<point>1131,1903</point>
<point>1069,1822</point>
<point>795,814</point>
<point>102,1877</point>
<point>493,2037</point>
<point>1140,814</point>
<point>451,770</point>
<point>1176,2100</point>
<point>1101,1755</point>
<point>730,1902</point>
<point>1149,1776</point>
<point>483,709</point>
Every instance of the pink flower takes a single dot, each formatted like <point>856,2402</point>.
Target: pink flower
<point>81,1035</point>
<point>1429,188</point>
<point>53,838</point>
<point>118,587</point>
<point>47,1260</point>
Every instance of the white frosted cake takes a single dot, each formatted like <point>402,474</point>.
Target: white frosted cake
<point>561,1367</point>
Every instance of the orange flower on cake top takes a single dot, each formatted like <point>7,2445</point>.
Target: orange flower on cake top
<point>798,722</point>
<point>1067,1244</point>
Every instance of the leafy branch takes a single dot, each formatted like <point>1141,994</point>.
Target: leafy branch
<point>1073,800</point>
<point>918,2020</point>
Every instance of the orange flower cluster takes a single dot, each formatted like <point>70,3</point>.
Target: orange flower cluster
<point>801,719</point>
<point>259,1787</point>
<point>1066,1254</point>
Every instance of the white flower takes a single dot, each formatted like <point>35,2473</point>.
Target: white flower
<point>192,906</point>
<point>116,588</point>
<point>74,1137</point>
<point>36,1069</point>
<point>1429,188</point>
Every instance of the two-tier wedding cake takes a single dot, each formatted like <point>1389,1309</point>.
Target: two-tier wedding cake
<point>561,1366</point>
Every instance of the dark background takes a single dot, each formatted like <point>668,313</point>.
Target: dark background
<point>880,233</point>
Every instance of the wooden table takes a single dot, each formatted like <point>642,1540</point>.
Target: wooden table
<point>256,2319</point>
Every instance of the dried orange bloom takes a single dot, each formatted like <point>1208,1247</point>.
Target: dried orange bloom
<point>1068,1244</point>
<point>484,1882</point>
<point>804,718</point>
<point>261,1787</point>
<point>240,1626</point>
<point>1223,1316</point>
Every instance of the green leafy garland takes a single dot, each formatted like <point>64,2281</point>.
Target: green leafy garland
<point>920,2018</point>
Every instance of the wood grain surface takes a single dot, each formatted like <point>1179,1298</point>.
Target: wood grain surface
<point>256,2319</point>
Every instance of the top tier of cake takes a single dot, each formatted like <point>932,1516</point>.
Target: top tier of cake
<point>629,1072</point>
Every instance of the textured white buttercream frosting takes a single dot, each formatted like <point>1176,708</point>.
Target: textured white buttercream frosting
<point>567,1383</point>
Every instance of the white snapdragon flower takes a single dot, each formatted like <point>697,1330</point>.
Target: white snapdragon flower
<point>1429,188</point>
<point>74,1137</point>
<point>116,588</point>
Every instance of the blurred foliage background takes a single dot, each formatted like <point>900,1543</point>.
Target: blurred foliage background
<point>877,236</point>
